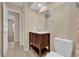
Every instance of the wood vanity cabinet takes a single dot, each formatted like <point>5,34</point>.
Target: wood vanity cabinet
<point>40,41</point>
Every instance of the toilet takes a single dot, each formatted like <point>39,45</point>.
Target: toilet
<point>62,47</point>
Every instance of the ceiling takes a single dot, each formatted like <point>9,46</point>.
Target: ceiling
<point>34,5</point>
<point>37,5</point>
<point>18,3</point>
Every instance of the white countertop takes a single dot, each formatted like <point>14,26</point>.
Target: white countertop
<point>40,32</point>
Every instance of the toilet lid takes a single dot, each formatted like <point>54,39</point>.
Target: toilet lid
<point>54,54</point>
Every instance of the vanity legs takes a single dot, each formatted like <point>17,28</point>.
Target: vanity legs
<point>48,48</point>
<point>49,43</point>
<point>40,53</point>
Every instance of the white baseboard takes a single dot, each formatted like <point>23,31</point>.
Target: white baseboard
<point>0,52</point>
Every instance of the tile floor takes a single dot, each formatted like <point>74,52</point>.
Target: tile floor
<point>14,50</point>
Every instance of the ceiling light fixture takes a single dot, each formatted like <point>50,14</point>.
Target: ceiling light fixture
<point>39,5</point>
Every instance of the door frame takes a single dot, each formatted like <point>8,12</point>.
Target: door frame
<point>4,30</point>
<point>16,11</point>
<point>19,12</point>
<point>13,18</point>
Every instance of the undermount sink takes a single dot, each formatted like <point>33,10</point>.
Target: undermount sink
<point>40,31</point>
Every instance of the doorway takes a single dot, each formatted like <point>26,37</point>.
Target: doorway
<point>10,30</point>
<point>14,47</point>
<point>11,33</point>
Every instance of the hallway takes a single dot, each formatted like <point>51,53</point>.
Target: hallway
<point>14,50</point>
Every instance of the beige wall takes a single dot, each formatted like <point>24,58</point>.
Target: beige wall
<point>12,6</point>
<point>62,20</point>
<point>60,24</point>
<point>33,21</point>
<point>0,27</point>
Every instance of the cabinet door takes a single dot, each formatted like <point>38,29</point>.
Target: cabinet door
<point>37,40</point>
<point>44,40</point>
<point>33,38</point>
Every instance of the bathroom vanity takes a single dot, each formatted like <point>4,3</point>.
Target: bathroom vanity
<point>40,40</point>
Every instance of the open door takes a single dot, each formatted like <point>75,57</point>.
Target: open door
<point>5,29</point>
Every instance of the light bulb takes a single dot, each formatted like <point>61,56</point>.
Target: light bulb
<point>39,5</point>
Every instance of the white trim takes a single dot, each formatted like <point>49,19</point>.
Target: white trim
<point>14,10</point>
<point>5,29</point>
<point>20,31</point>
<point>0,52</point>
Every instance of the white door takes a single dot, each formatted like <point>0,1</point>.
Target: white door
<point>5,29</point>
